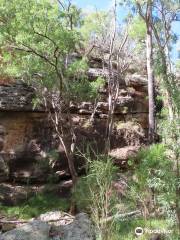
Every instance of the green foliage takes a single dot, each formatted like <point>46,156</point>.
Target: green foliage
<point>83,90</point>
<point>125,230</point>
<point>78,68</point>
<point>154,176</point>
<point>178,64</point>
<point>95,193</point>
<point>96,85</point>
<point>94,25</point>
<point>35,206</point>
<point>137,29</point>
<point>36,101</point>
<point>36,39</point>
<point>38,44</point>
<point>100,175</point>
<point>153,161</point>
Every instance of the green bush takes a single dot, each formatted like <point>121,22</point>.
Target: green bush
<point>154,179</point>
<point>95,194</point>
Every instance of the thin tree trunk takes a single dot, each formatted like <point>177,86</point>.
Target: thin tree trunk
<point>111,84</point>
<point>56,120</point>
<point>166,83</point>
<point>70,158</point>
<point>150,74</point>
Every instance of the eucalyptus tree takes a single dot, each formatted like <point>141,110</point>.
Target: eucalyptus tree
<point>163,14</point>
<point>37,40</point>
<point>166,13</point>
<point>144,9</point>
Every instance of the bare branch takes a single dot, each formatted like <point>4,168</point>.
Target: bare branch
<point>140,11</point>
<point>61,4</point>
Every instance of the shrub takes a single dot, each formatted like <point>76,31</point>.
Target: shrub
<point>154,179</point>
<point>94,192</point>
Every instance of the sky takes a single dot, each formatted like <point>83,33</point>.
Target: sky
<point>90,5</point>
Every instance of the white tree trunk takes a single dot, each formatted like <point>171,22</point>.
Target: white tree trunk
<point>150,74</point>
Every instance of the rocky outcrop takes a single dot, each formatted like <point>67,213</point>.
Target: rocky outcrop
<point>80,228</point>
<point>29,150</point>
<point>121,155</point>
<point>35,230</point>
<point>16,97</point>
<point>13,194</point>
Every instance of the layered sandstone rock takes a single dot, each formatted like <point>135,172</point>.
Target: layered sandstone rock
<point>29,150</point>
<point>16,97</point>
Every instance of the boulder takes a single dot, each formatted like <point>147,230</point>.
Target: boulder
<point>86,106</point>
<point>35,230</point>
<point>136,80</point>
<point>102,106</point>
<point>121,155</point>
<point>80,228</point>
<point>94,73</point>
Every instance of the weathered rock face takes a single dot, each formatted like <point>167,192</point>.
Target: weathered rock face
<point>13,194</point>
<point>16,97</point>
<point>80,228</point>
<point>27,136</point>
<point>35,230</point>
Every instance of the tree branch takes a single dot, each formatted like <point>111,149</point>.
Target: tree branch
<point>140,11</point>
<point>61,4</point>
<point>123,215</point>
<point>45,36</point>
<point>30,49</point>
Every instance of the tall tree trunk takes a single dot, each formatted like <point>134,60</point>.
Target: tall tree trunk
<point>150,74</point>
<point>168,90</point>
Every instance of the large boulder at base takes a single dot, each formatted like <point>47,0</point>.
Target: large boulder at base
<point>81,228</point>
<point>69,228</point>
<point>122,155</point>
<point>34,230</point>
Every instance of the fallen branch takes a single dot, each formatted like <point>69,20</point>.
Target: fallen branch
<point>26,221</point>
<point>122,215</point>
<point>13,221</point>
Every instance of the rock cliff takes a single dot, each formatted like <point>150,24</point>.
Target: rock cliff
<point>27,138</point>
